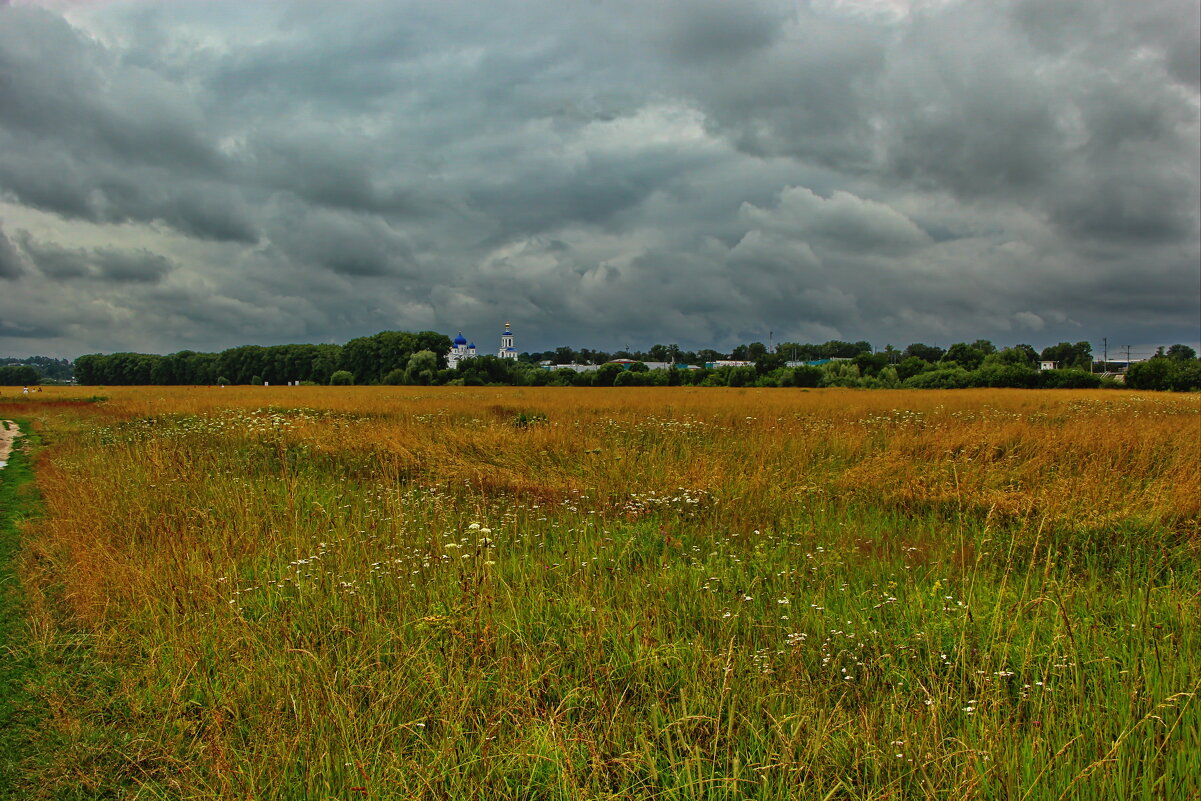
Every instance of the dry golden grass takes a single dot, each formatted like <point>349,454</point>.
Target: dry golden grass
<point>599,644</point>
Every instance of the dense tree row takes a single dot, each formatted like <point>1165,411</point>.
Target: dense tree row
<point>368,359</point>
<point>43,368</point>
<point>1177,369</point>
<point>18,375</point>
<point>400,357</point>
<point>1010,367</point>
<point>671,353</point>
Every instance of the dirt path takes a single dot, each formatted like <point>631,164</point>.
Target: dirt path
<point>8,434</point>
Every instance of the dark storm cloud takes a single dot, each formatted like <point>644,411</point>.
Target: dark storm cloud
<point>612,173</point>
<point>343,242</point>
<point>107,265</point>
<point>62,85</point>
<point>55,262</point>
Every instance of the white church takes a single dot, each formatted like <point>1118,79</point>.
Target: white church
<point>461,349</point>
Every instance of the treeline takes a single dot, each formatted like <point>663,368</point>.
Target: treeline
<point>1178,369</point>
<point>18,375</point>
<point>369,360</point>
<point>399,357</point>
<point>33,370</point>
<point>1007,368</point>
<point>834,349</point>
<point>919,366</point>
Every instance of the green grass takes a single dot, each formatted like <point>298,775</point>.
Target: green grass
<point>19,713</point>
<point>252,616</point>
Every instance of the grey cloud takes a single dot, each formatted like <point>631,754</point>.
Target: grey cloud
<point>67,88</point>
<point>43,176</point>
<point>10,260</point>
<point>139,266</point>
<point>55,262</point>
<point>842,221</point>
<point>720,32</point>
<point>34,331</point>
<point>104,264</point>
<point>607,172</point>
<point>343,242</point>
<point>803,96</point>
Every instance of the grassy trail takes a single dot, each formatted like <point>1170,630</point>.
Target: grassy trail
<point>17,715</point>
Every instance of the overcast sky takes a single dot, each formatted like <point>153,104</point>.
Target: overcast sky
<point>201,175</point>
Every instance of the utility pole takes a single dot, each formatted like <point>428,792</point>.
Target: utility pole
<point>1127,357</point>
<point>1105,350</point>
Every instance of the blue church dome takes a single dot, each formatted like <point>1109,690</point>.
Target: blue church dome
<point>460,339</point>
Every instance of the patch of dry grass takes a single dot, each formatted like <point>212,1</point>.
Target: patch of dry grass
<point>639,593</point>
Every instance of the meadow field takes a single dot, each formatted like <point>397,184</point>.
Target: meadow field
<point>640,593</point>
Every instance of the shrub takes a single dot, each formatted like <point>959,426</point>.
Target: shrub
<point>1164,373</point>
<point>945,378</point>
<point>341,378</point>
<point>806,376</point>
<point>841,374</point>
<point>1069,379</point>
<point>1002,374</point>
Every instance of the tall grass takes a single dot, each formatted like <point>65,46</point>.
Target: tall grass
<point>569,594</point>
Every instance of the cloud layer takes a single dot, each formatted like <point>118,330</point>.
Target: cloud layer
<point>206,174</point>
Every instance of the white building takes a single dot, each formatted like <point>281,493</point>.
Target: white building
<point>507,351</point>
<point>461,349</point>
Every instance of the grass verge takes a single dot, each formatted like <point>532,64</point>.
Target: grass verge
<point>18,712</point>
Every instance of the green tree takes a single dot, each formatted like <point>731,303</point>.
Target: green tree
<point>421,368</point>
<point>1165,373</point>
<point>927,353</point>
<point>88,369</point>
<point>1021,354</point>
<point>1005,369</point>
<point>18,375</point>
<point>969,357</point>
<point>768,362</point>
<point>870,363</point>
<point>1183,352</point>
<point>606,375</point>
<point>341,378</point>
<point>954,377</point>
<point>911,366</point>
<point>1066,354</point>
<point>325,362</point>
<point>840,374</point>
<point>807,376</point>
<point>1071,378</point>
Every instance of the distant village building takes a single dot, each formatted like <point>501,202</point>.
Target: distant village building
<point>1047,364</point>
<point>461,349</point>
